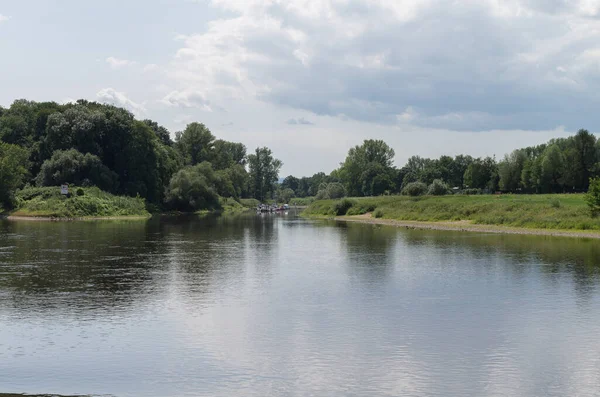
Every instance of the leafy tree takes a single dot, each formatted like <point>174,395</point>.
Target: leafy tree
<point>291,182</point>
<point>227,154</point>
<point>285,195</point>
<point>192,189</point>
<point>264,173</point>
<point>370,156</point>
<point>438,188</point>
<point>510,170</point>
<point>13,170</point>
<point>161,132</point>
<point>592,197</point>
<point>414,189</point>
<point>335,190</point>
<point>73,167</point>
<point>585,157</point>
<point>552,169</point>
<point>195,143</point>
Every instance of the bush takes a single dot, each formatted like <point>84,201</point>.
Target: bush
<point>438,188</point>
<point>342,206</point>
<point>414,189</point>
<point>80,192</point>
<point>378,213</point>
<point>472,191</point>
<point>592,197</point>
<point>336,190</point>
<point>555,203</point>
<point>332,191</point>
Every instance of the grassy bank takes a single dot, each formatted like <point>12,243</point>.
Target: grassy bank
<point>556,211</point>
<point>83,203</point>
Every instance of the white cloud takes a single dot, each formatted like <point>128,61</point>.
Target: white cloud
<point>151,67</point>
<point>4,18</point>
<point>187,99</point>
<point>116,63</point>
<point>474,64</point>
<point>113,97</point>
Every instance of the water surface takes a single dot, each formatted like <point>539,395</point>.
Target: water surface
<point>277,305</point>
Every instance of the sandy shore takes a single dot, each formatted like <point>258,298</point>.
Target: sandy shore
<point>467,226</point>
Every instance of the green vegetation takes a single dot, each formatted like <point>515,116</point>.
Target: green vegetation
<point>558,211</point>
<point>90,144</point>
<point>87,202</point>
<point>592,198</point>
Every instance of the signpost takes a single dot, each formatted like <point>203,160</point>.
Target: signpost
<point>64,189</point>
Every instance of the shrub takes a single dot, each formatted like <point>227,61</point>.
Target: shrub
<point>336,190</point>
<point>472,191</point>
<point>555,203</point>
<point>438,188</point>
<point>80,192</point>
<point>378,213</point>
<point>415,189</point>
<point>592,197</point>
<point>342,206</point>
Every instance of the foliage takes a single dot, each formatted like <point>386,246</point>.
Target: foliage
<point>523,210</point>
<point>47,201</point>
<point>592,197</point>
<point>438,188</point>
<point>193,188</point>
<point>285,195</point>
<point>415,189</point>
<point>196,143</point>
<point>264,173</point>
<point>368,169</point>
<point>13,170</point>
<point>342,206</point>
<point>76,168</point>
<point>378,213</point>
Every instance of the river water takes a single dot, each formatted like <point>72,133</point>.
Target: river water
<point>275,305</point>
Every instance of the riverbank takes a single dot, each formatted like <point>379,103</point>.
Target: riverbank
<point>465,226</point>
<point>524,214</point>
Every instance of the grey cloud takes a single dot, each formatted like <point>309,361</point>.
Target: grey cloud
<point>463,65</point>
<point>300,121</point>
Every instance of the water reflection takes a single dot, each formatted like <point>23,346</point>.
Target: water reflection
<point>277,305</point>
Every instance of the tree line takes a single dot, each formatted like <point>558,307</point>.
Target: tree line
<point>562,165</point>
<point>92,144</point>
<point>88,143</point>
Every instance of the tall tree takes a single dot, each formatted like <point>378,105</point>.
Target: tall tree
<point>13,169</point>
<point>370,155</point>
<point>196,144</point>
<point>264,173</point>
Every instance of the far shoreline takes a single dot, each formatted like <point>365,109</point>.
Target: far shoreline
<point>462,226</point>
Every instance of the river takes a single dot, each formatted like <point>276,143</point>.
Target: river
<point>276,305</point>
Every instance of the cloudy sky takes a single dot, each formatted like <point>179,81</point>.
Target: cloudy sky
<point>311,78</point>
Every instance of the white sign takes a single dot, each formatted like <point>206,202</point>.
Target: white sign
<point>64,189</point>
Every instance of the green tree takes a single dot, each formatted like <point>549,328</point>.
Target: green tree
<point>552,169</point>
<point>585,157</point>
<point>371,155</point>
<point>291,182</point>
<point>193,188</point>
<point>264,173</point>
<point>227,154</point>
<point>592,197</point>
<point>285,195</point>
<point>73,167</point>
<point>196,143</point>
<point>13,170</point>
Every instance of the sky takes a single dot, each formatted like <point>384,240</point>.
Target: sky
<point>312,78</point>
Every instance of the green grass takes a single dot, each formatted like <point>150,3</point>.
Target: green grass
<point>302,201</point>
<point>231,206</point>
<point>48,202</point>
<point>555,211</point>
<point>249,203</point>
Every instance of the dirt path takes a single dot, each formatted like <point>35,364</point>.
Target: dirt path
<point>467,226</point>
